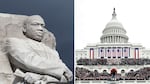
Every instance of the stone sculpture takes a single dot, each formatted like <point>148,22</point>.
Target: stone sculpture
<point>32,54</point>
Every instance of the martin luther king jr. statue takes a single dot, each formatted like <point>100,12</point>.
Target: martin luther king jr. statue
<point>32,61</point>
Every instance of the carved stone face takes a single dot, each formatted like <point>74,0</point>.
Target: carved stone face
<point>34,28</point>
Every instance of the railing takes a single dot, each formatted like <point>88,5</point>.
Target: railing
<point>112,82</point>
<point>59,82</point>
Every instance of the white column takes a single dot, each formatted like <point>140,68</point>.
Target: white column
<point>110,38</point>
<point>103,40</point>
<point>119,38</point>
<point>107,39</point>
<point>116,39</point>
<point>113,39</point>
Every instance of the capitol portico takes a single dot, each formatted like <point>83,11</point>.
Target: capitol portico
<point>113,44</point>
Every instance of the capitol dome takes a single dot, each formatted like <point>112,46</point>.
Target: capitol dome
<point>114,22</point>
<point>114,32</point>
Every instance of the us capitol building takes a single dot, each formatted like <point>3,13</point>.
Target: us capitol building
<point>113,59</point>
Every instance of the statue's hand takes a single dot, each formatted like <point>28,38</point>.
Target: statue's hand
<point>31,77</point>
<point>68,75</point>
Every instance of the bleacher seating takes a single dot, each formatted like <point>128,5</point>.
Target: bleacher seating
<point>85,74</point>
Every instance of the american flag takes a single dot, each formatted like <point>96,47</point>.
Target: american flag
<point>119,52</point>
<point>114,52</point>
<point>108,52</point>
<point>136,53</point>
<point>91,53</point>
<point>101,51</point>
<point>126,52</point>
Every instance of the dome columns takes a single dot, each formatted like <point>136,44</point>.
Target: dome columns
<point>114,39</point>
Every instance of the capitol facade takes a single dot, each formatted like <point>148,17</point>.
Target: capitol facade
<point>113,54</point>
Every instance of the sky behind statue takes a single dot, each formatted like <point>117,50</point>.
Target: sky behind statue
<point>58,17</point>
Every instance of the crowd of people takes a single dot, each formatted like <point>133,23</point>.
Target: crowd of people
<point>135,61</point>
<point>85,74</point>
<point>92,62</point>
<point>140,74</point>
<point>127,61</point>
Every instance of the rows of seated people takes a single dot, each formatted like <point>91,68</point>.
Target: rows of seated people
<point>92,62</point>
<point>85,74</point>
<point>128,61</point>
<point>134,61</point>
